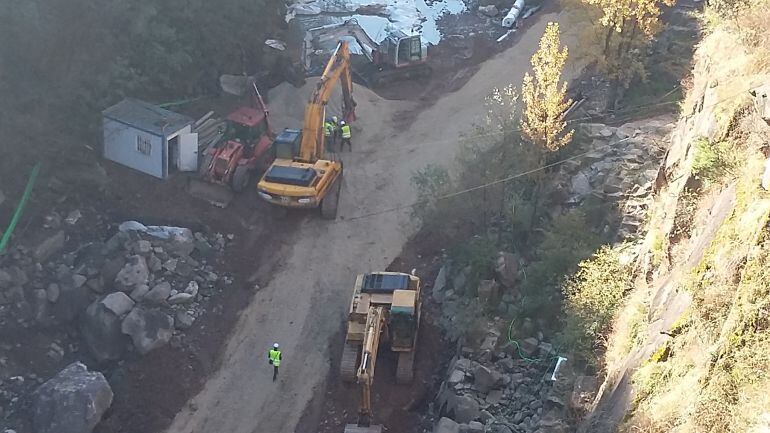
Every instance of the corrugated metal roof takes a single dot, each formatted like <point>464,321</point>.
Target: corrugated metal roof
<point>147,117</point>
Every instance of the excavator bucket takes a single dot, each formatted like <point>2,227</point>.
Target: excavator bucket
<point>353,428</point>
<point>217,195</point>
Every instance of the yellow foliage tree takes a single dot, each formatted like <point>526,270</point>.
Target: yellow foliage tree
<point>628,26</point>
<point>545,96</point>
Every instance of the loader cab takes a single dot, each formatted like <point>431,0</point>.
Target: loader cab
<point>403,50</point>
<point>246,125</point>
<point>287,143</point>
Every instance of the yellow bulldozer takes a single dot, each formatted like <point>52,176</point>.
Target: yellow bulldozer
<point>301,176</point>
<point>385,307</point>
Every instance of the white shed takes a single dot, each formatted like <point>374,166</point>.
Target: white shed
<point>148,138</point>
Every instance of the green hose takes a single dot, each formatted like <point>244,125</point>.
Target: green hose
<point>20,207</point>
<point>518,347</point>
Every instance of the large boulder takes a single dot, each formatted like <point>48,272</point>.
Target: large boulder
<point>101,326</point>
<point>466,409</point>
<point>70,302</point>
<point>149,328</point>
<point>485,378</point>
<point>507,269</point>
<point>159,293</point>
<point>73,401</point>
<point>134,273</point>
<point>488,291</point>
<point>439,285</point>
<point>49,247</point>
<point>489,10</point>
<point>119,303</point>
<point>446,425</point>
<point>6,279</point>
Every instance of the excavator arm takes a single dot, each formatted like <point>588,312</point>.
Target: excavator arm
<point>374,322</point>
<point>334,32</point>
<point>338,68</point>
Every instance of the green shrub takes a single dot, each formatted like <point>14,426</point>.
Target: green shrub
<point>568,241</point>
<point>713,160</point>
<point>592,296</point>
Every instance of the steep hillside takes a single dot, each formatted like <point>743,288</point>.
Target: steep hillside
<point>691,348</point>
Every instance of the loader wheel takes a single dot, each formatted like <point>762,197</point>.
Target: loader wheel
<point>204,167</point>
<point>349,362</point>
<point>241,178</point>
<point>331,202</point>
<point>405,368</point>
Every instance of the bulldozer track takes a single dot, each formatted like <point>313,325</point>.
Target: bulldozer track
<point>348,362</point>
<point>405,368</point>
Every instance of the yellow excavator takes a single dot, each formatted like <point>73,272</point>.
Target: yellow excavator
<point>301,176</point>
<point>385,306</point>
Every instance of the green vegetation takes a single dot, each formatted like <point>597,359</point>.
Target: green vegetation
<point>592,298</point>
<point>617,36</point>
<point>719,348</point>
<point>65,61</point>
<point>713,160</point>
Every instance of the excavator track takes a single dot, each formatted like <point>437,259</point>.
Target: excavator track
<point>349,362</point>
<point>352,428</point>
<point>330,203</point>
<point>405,368</point>
<point>416,72</point>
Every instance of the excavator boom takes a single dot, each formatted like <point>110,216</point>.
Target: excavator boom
<point>320,36</point>
<point>338,68</point>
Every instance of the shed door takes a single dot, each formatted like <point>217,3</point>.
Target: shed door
<point>188,152</point>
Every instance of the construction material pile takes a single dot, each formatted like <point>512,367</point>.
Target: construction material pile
<point>210,130</point>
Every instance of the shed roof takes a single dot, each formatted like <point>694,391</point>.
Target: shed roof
<point>147,117</point>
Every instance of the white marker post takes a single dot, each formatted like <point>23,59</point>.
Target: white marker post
<point>556,369</point>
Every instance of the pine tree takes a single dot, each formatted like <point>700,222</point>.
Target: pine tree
<point>545,96</point>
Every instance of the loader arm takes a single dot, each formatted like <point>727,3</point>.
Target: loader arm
<point>259,103</point>
<point>365,375</point>
<point>338,68</point>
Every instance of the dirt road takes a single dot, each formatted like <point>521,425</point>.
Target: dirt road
<point>303,305</point>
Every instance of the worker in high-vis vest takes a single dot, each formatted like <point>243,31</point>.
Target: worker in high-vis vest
<point>329,131</point>
<point>346,135</point>
<point>274,358</point>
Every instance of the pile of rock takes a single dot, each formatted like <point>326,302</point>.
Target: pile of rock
<point>619,165</point>
<point>81,297</point>
<point>493,390</point>
<point>459,297</point>
<point>135,285</point>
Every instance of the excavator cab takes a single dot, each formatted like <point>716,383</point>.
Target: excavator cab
<point>287,143</point>
<point>403,50</point>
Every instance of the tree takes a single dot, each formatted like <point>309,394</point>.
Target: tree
<point>545,95</point>
<point>623,29</point>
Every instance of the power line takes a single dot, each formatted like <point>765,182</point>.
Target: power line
<point>515,176</point>
<point>482,186</point>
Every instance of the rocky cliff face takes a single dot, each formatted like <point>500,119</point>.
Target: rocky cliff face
<point>689,351</point>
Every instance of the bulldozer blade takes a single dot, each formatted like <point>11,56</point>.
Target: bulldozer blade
<point>353,428</point>
<point>217,195</point>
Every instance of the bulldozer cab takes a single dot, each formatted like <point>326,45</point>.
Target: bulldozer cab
<point>287,144</point>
